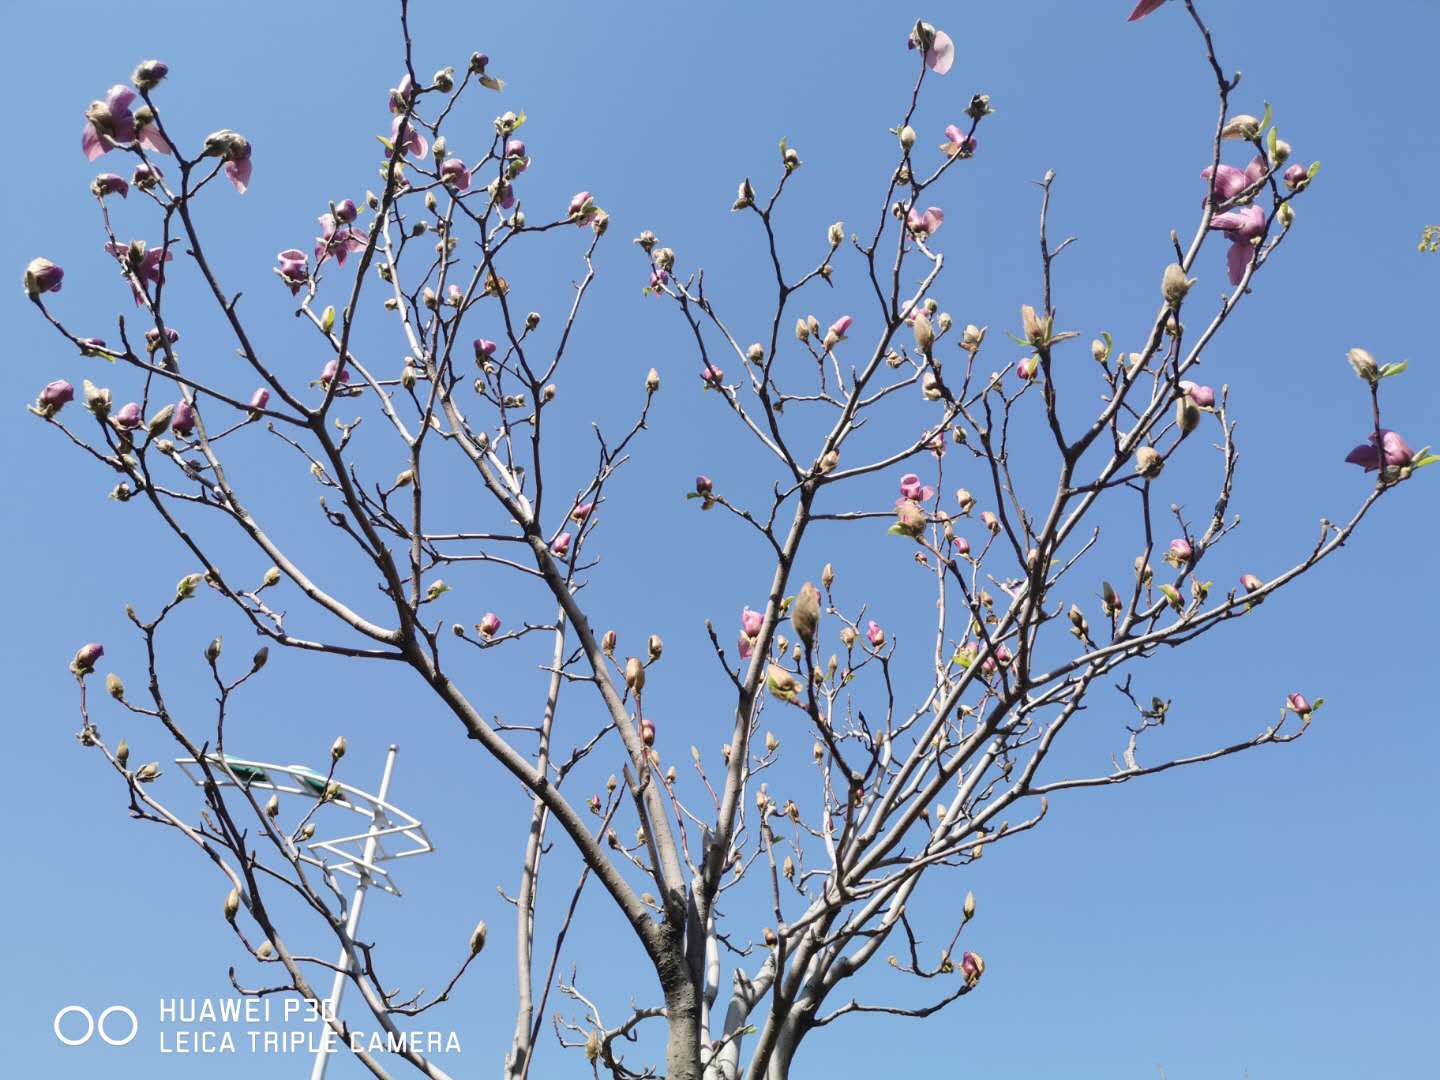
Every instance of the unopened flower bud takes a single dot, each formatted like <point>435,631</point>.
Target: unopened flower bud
<point>907,137</point>
<point>1148,462</point>
<point>655,646</point>
<point>337,748</point>
<point>634,673</point>
<point>972,965</point>
<point>805,615</point>
<point>924,334</point>
<point>607,643</point>
<point>86,657</point>
<point>1174,284</point>
<point>114,687</point>
<point>1187,415</point>
<point>1241,126</point>
<point>477,938</point>
<point>967,911</point>
<point>232,905</point>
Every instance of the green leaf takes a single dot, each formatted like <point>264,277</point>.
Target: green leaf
<point>1265,120</point>
<point>1271,138</point>
<point>1428,459</point>
<point>1314,168</point>
<point>1396,368</point>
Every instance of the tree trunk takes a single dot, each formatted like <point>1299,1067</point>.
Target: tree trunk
<point>682,1047</point>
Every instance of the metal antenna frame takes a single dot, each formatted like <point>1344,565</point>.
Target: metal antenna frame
<point>357,855</point>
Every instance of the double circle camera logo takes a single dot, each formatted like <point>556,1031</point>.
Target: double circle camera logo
<point>97,1025</point>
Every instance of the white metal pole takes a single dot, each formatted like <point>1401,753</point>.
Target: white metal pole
<point>352,922</point>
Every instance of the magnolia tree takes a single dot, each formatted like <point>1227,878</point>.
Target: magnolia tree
<point>906,780</point>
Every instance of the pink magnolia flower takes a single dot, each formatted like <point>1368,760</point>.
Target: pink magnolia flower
<point>454,294</point>
<point>1397,452</point>
<point>1028,368</point>
<point>91,346</point>
<point>958,142</point>
<point>1201,396</point>
<point>875,634</point>
<point>1299,705</point>
<point>926,224</point>
<point>55,396</point>
<point>1145,7</point>
<point>912,488</point>
<point>413,142</point>
<point>330,370</point>
<point>703,485</point>
<point>658,278</point>
<point>294,270</point>
<point>502,193</point>
<point>402,95</point>
<point>153,339</point>
<point>454,173</point>
<point>259,399</point>
<point>940,53</point>
<point>561,546</point>
<point>489,624</point>
<point>143,266</point>
<point>1250,582</point>
<point>239,168</point>
<point>711,375</point>
<point>582,207</point>
<point>515,155</point>
<point>147,131</point>
<point>108,123</point>
<point>1241,226</point>
<point>990,521</point>
<point>841,326</point>
<point>972,965</point>
<point>1230,181</point>
<point>1296,175</point>
<point>345,210</point>
<point>962,546</point>
<point>42,276</point>
<point>751,621</point>
<point>150,74</point>
<point>336,240</point>
<point>234,150</point>
<point>87,657</point>
<point>647,731</point>
<point>146,176</point>
<point>1180,551</point>
<point>582,512</point>
<point>746,644</point>
<point>182,420</point>
<point>109,183</point>
<point>129,416</point>
<point>484,347</point>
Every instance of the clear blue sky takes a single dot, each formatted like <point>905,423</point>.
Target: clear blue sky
<point>1272,913</point>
